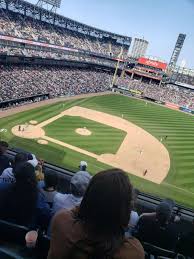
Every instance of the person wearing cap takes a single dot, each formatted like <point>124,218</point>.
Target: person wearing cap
<point>32,160</point>
<point>83,166</point>
<point>157,228</point>
<point>78,185</point>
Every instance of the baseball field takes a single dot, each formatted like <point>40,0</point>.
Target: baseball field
<point>154,144</point>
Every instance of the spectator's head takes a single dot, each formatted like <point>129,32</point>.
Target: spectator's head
<point>20,158</point>
<point>25,175</point>
<point>50,179</point>
<point>83,166</point>
<point>164,212</point>
<point>3,147</point>
<point>79,183</point>
<point>106,205</point>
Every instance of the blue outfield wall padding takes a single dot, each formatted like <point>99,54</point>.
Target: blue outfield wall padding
<point>185,109</point>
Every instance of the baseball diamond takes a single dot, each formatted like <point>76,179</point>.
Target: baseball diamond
<point>124,132</point>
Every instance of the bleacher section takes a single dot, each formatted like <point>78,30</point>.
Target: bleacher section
<point>23,27</point>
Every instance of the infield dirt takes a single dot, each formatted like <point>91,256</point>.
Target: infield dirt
<point>139,151</point>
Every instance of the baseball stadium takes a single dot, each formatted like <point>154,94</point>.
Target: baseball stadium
<point>75,100</point>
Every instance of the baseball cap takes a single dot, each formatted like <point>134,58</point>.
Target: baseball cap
<point>32,160</point>
<point>80,181</point>
<point>83,163</point>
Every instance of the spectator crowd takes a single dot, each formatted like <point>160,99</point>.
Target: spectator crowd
<point>57,55</point>
<point>90,220</point>
<point>24,81</point>
<point>164,93</point>
<point>16,25</point>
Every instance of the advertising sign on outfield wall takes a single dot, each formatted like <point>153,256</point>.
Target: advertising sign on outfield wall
<point>135,92</point>
<point>152,63</point>
<point>172,106</point>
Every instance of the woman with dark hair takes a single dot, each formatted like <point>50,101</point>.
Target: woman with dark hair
<point>22,202</point>
<point>96,228</point>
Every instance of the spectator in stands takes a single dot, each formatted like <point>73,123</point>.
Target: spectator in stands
<point>5,161</point>
<point>17,25</point>
<point>22,203</point>
<point>78,185</point>
<point>39,170</point>
<point>50,185</point>
<point>96,228</point>
<point>40,79</point>
<point>83,166</point>
<point>32,160</point>
<point>134,217</point>
<point>157,228</point>
<point>8,174</point>
<point>186,243</point>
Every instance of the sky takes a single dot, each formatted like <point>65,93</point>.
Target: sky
<point>157,21</point>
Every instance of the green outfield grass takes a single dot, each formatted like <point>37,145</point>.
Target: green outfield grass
<point>157,120</point>
<point>104,139</point>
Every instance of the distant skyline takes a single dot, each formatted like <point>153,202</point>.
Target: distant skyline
<point>158,21</point>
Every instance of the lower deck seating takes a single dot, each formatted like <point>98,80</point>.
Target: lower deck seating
<point>12,236</point>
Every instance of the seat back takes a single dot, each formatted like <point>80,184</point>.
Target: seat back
<point>42,247</point>
<point>5,255</point>
<point>12,239</point>
<point>158,252</point>
<point>13,233</point>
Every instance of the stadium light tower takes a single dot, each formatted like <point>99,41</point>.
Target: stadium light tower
<point>54,4</point>
<point>177,50</point>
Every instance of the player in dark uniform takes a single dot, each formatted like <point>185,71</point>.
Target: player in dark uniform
<point>145,172</point>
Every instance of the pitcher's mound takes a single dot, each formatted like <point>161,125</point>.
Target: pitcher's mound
<point>83,131</point>
<point>42,142</point>
<point>33,122</point>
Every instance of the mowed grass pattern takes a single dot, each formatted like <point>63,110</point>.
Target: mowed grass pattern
<point>104,139</point>
<point>157,120</point>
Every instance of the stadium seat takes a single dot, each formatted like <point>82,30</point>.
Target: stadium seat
<point>10,232</point>
<point>4,254</point>
<point>43,245</point>
<point>155,252</point>
<point>12,242</point>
